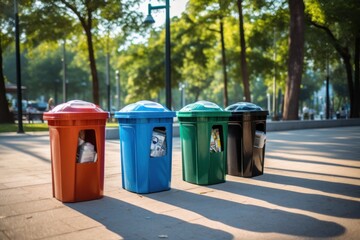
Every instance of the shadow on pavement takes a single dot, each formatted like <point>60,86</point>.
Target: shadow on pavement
<point>308,161</point>
<point>325,205</point>
<point>306,172</point>
<point>324,186</point>
<point>27,147</point>
<point>336,143</point>
<point>247,216</point>
<point>133,222</point>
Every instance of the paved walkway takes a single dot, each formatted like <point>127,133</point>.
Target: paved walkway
<point>310,189</point>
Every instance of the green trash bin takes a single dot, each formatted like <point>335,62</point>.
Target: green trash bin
<point>203,136</point>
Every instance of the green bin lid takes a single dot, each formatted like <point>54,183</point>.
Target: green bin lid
<point>203,109</point>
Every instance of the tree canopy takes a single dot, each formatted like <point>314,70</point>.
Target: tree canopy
<point>207,52</point>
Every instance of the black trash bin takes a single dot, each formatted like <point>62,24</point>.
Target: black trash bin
<point>246,140</point>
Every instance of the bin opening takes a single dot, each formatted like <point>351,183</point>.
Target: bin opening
<point>216,141</point>
<point>86,150</point>
<point>260,139</point>
<point>158,142</point>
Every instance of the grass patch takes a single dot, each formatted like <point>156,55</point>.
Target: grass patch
<point>28,127</point>
<point>36,127</point>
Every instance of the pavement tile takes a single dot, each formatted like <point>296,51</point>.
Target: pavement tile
<point>310,190</point>
<point>81,222</point>
<point>98,233</point>
<point>3,236</point>
<point>36,230</point>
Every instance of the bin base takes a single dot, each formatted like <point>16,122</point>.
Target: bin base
<point>203,183</point>
<point>238,174</point>
<point>146,192</point>
<point>78,200</point>
<point>254,172</point>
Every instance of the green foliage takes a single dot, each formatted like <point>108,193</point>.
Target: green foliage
<point>6,23</point>
<point>339,84</point>
<point>268,41</point>
<point>338,23</point>
<point>311,83</point>
<point>145,69</point>
<point>42,22</point>
<point>195,51</point>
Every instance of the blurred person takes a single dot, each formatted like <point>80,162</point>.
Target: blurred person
<point>305,113</point>
<point>50,104</point>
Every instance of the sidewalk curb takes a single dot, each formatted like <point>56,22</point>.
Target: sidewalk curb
<point>113,133</point>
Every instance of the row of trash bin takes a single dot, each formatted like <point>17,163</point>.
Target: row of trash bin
<point>214,142</point>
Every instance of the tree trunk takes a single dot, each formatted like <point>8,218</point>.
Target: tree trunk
<point>5,114</point>
<point>95,79</point>
<point>345,55</point>
<point>357,76</point>
<point>346,59</point>
<point>197,94</point>
<point>86,22</point>
<point>296,58</point>
<point>226,101</point>
<point>244,70</point>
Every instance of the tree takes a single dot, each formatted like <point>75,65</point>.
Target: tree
<point>5,40</point>
<point>244,70</point>
<point>194,55</point>
<point>296,57</point>
<point>338,82</point>
<point>5,114</point>
<point>267,51</point>
<point>144,69</point>
<point>90,15</point>
<point>44,70</point>
<point>84,12</point>
<point>208,15</point>
<point>340,22</point>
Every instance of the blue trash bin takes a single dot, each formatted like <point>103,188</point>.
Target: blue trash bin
<point>145,130</point>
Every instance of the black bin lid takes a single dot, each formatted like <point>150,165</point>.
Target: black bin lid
<point>242,108</point>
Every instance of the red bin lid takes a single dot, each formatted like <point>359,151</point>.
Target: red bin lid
<point>76,110</point>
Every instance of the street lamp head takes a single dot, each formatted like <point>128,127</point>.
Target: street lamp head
<point>149,19</point>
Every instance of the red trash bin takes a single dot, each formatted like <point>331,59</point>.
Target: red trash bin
<point>77,142</point>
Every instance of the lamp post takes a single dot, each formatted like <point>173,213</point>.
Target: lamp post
<point>268,101</point>
<point>182,91</point>
<point>149,20</point>
<point>18,69</point>
<point>64,72</point>
<point>56,90</point>
<point>327,92</point>
<point>108,80</point>
<point>275,114</point>
<point>117,77</point>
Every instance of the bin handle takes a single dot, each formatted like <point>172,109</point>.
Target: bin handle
<point>81,104</point>
<point>208,104</point>
<point>151,104</point>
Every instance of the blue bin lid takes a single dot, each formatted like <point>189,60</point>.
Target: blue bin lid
<point>202,109</point>
<point>144,109</point>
